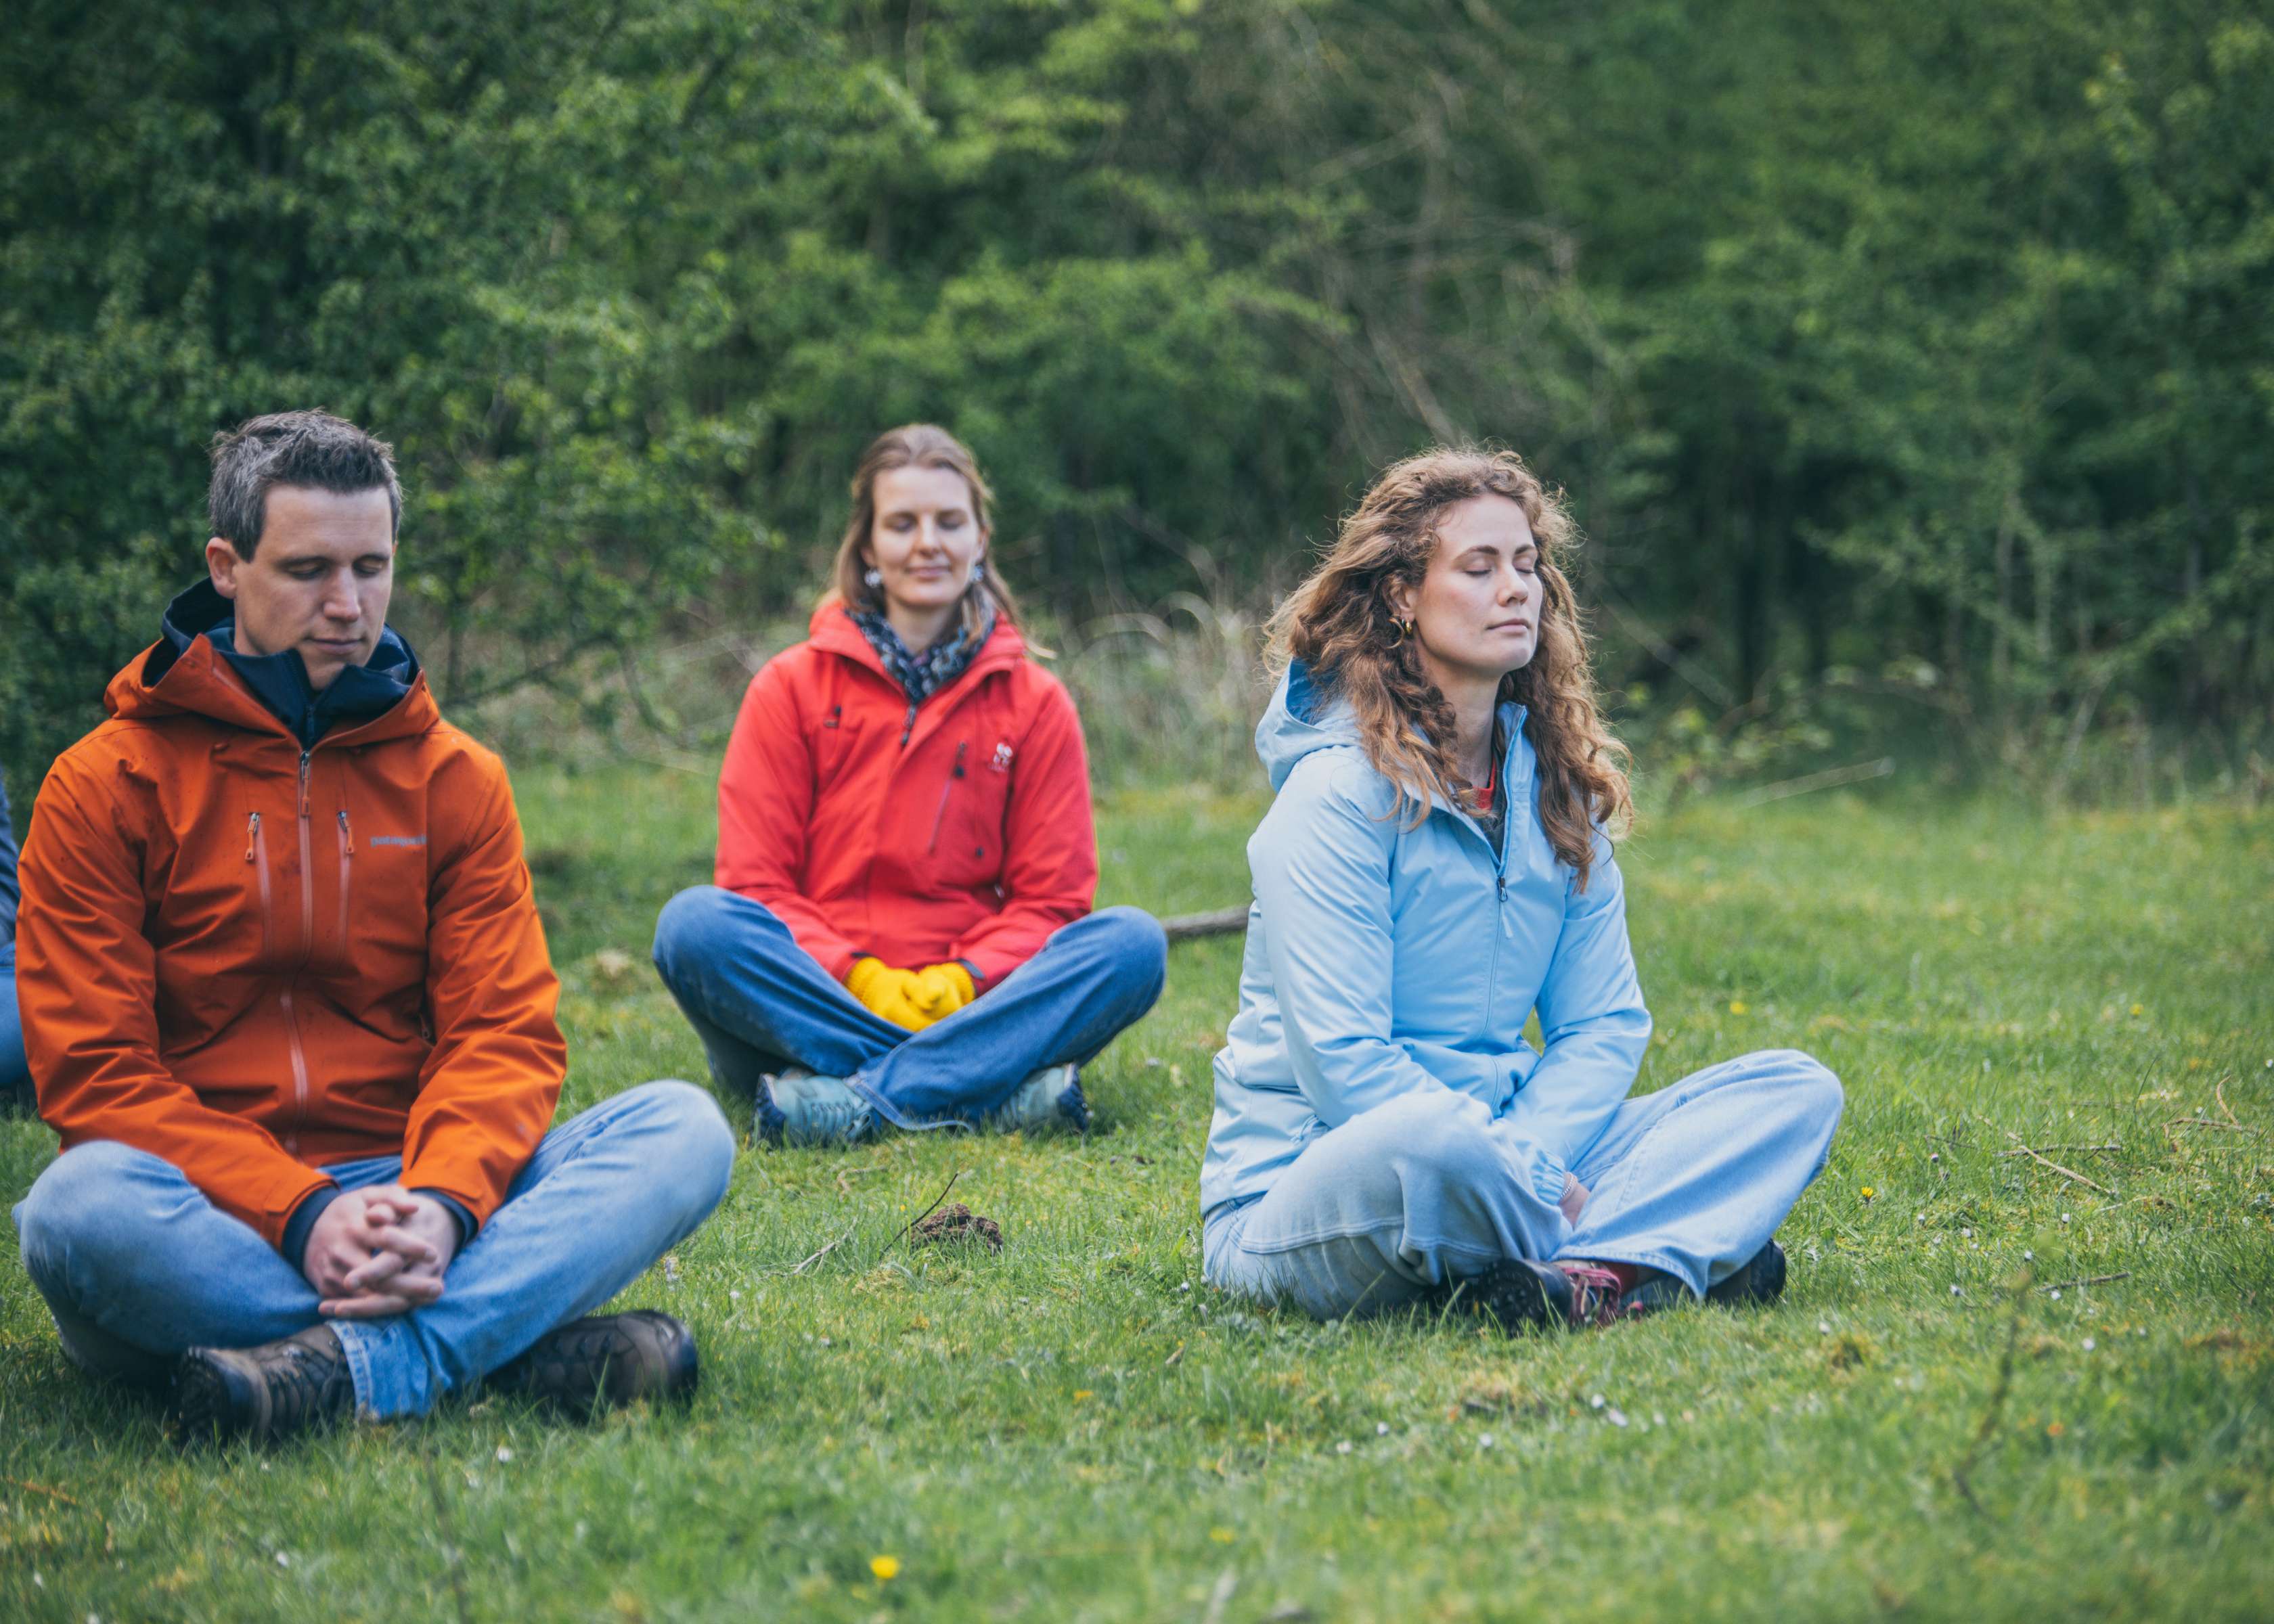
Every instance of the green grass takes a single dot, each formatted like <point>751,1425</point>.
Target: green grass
<point>1079,1429</point>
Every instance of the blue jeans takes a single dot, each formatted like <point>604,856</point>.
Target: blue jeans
<point>1377,1213</point>
<point>15,1070</point>
<point>137,1265</point>
<point>760,1002</point>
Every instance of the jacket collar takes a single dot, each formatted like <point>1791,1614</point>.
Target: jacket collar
<point>832,632</point>
<point>196,668</point>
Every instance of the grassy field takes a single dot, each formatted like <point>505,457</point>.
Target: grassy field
<point>1077,1428</point>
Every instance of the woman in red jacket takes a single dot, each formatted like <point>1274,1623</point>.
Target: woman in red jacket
<point>902,928</point>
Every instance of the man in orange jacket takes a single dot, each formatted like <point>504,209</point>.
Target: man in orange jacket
<point>288,1004</point>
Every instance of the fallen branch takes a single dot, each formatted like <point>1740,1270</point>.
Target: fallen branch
<point>2089,1280</point>
<point>1215,923</point>
<point>2058,1168</point>
<point>1831,778</point>
<point>2025,1151</point>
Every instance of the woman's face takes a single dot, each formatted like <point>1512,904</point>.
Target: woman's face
<point>1477,610</point>
<point>925,538</point>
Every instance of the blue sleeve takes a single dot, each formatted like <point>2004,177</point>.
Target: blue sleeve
<point>1592,1024</point>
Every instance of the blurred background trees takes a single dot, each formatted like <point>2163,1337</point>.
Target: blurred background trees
<point>1917,357</point>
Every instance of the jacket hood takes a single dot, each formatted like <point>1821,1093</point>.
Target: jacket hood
<point>195,667</point>
<point>1302,718</point>
<point>833,632</point>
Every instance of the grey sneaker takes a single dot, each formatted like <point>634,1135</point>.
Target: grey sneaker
<point>1049,1098</point>
<point>798,1106</point>
<point>605,1359</point>
<point>262,1393</point>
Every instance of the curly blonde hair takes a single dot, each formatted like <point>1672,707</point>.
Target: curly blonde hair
<point>1342,625</point>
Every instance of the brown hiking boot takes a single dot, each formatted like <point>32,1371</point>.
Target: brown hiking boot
<point>605,1359</point>
<point>262,1393</point>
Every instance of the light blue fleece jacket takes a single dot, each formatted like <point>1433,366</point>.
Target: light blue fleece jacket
<point>1384,961</point>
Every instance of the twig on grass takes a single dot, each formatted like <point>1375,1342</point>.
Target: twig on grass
<point>824,1251</point>
<point>1219,1598</point>
<point>454,1556</point>
<point>2209,1122</point>
<point>2220,1088</point>
<point>2004,1155</point>
<point>2089,1280</point>
<point>2058,1168</point>
<point>109,1540</point>
<point>1215,922</point>
<point>1962,1474</point>
<point>928,1211</point>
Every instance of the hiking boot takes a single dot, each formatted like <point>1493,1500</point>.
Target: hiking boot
<point>1761,1279</point>
<point>262,1393</point>
<point>1049,1098</point>
<point>798,1106</point>
<point>605,1359</point>
<point>1518,1294</point>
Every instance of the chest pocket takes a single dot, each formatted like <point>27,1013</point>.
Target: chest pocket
<point>835,743</point>
<point>964,839</point>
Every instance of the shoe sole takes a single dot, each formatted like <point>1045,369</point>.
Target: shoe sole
<point>211,1401</point>
<point>1513,1297</point>
<point>1759,1282</point>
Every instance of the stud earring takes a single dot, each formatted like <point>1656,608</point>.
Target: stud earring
<point>874,577</point>
<point>978,570</point>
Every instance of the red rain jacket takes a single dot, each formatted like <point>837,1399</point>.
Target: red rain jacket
<point>957,829</point>
<point>251,962</point>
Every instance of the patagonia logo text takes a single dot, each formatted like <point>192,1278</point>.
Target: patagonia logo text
<point>398,839</point>
<point>1002,761</point>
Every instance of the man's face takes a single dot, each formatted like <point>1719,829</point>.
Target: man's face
<point>317,582</point>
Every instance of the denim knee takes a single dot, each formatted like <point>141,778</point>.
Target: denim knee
<point>79,1208</point>
<point>700,1145</point>
<point>1133,943</point>
<point>1810,1089</point>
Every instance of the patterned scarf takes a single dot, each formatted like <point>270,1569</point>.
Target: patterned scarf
<point>923,672</point>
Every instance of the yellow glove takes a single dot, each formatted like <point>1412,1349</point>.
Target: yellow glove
<point>888,993</point>
<point>941,990</point>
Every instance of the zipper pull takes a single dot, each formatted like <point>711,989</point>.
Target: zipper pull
<point>304,783</point>
<point>251,835</point>
<point>908,726</point>
<point>347,835</point>
<point>1500,883</point>
<point>958,757</point>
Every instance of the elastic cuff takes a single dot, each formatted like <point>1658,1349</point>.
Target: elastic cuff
<point>978,978</point>
<point>294,1244</point>
<point>1548,1179</point>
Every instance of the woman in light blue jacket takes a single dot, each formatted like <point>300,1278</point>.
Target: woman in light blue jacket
<point>1435,867</point>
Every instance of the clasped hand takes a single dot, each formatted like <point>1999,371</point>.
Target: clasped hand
<point>911,998</point>
<point>378,1253</point>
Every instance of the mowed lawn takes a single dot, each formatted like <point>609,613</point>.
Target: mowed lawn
<point>1079,1428</point>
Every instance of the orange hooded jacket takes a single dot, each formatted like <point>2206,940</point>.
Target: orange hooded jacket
<point>252,960</point>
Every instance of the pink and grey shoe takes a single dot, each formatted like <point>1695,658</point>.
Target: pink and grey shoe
<point>1519,1294</point>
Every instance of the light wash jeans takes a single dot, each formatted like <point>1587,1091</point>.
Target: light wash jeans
<point>1377,1213</point>
<point>137,1265</point>
<point>760,1002</point>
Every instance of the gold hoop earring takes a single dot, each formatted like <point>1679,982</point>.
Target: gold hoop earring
<point>1404,629</point>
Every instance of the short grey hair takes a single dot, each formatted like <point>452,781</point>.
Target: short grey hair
<point>309,448</point>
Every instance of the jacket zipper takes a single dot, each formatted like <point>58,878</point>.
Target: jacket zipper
<point>908,726</point>
<point>307,948</point>
<point>347,864</point>
<point>940,812</point>
<point>256,853</point>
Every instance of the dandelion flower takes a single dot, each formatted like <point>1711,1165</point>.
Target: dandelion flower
<point>1869,1193</point>
<point>1080,1394</point>
<point>885,1566</point>
<point>1737,1006</point>
<point>1222,1535</point>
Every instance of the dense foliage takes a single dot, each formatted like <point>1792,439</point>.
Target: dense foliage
<point>1935,340</point>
